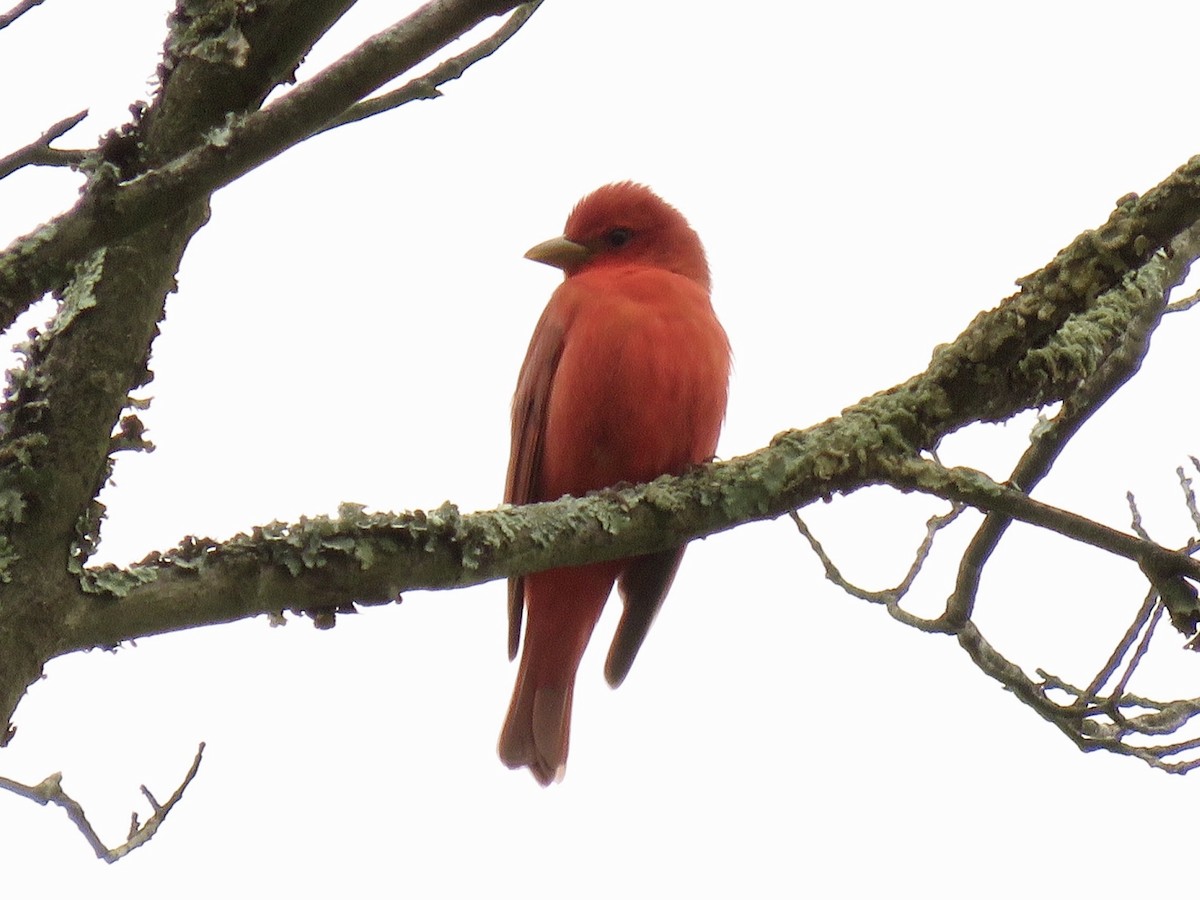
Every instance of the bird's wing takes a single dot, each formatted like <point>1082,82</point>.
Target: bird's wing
<point>530,405</point>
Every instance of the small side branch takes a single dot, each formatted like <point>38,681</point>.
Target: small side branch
<point>1094,724</point>
<point>1150,607</point>
<point>977,489</point>
<point>1116,721</point>
<point>17,11</point>
<point>890,597</point>
<point>1145,296</point>
<point>1106,724</point>
<point>50,791</point>
<point>1184,304</point>
<point>40,153</point>
<point>1142,648</point>
<point>45,260</point>
<point>427,86</point>
<point>1189,496</point>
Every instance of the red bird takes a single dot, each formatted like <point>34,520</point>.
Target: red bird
<point>625,379</point>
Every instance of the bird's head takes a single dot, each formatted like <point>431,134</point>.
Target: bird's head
<point>625,224</point>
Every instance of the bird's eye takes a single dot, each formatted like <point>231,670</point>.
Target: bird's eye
<point>619,237</point>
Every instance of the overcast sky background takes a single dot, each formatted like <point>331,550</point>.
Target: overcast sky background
<point>866,177</point>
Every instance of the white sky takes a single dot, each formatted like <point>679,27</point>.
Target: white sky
<point>866,177</point>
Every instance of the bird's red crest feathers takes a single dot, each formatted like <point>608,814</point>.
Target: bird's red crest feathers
<point>658,234</point>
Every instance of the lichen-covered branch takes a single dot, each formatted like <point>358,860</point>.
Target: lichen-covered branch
<point>1109,337</point>
<point>1135,308</point>
<point>322,564</point>
<point>977,489</point>
<point>117,207</point>
<point>372,558</point>
<point>426,87</point>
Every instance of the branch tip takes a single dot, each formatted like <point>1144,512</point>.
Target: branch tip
<point>50,791</point>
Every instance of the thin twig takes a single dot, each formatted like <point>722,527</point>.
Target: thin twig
<point>40,153</point>
<point>47,258</point>
<point>831,570</point>
<point>933,525</point>
<point>1135,517</point>
<point>17,11</point>
<point>1183,305</point>
<point>426,87</point>
<point>1179,747</point>
<point>977,489</point>
<point>1160,718</point>
<point>1189,496</point>
<point>1089,722</point>
<point>890,597</point>
<point>1090,733</point>
<point>50,791</point>
<point>1140,652</point>
<point>1154,282</point>
<point>1131,633</point>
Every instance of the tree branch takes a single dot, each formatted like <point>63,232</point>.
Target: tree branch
<point>1183,304</point>
<point>40,153</point>
<point>426,87</point>
<point>1140,621</point>
<point>44,260</point>
<point>62,406</point>
<point>1090,721</point>
<point>1074,331</point>
<point>372,559</point>
<point>1104,724</point>
<point>977,489</point>
<point>1146,295</point>
<point>17,11</point>
<point>890,597</point>
<point>50,791</point>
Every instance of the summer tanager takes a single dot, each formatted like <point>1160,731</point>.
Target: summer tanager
<point>625,379</point>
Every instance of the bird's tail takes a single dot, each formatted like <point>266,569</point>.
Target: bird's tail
<point>562,607</point>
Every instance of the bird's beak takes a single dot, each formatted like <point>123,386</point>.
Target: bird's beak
<point>560,253</point>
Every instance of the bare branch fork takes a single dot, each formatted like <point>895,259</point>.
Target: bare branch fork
<point>112,209</point>
<point>40,153</point>
<point>1091,719</point>
<point>50,790</point>
<point>427,86</point>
